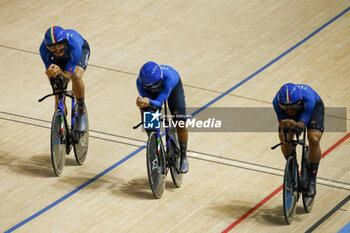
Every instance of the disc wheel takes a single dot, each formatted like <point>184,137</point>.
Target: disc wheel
<point>156,169</point>
<point>58,142</point>
<point>290,190</point>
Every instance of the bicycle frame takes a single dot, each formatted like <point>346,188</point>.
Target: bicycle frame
<point>61,97</point>
<point>294,183</point>
<point>168,137</point>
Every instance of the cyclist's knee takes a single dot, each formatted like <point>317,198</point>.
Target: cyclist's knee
<point>76,77</point>
<point>78,73</point>
<point>314,137</point>
<point>181,126</point>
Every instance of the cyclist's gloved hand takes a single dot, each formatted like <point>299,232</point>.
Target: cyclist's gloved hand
<point>142,102</point>
<point>53,70</point>
<point>290,124</point>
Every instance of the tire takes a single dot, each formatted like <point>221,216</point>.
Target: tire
<point>81,144</point>
<point>290,189</point>
<point>156,169</point>
<point>174,154</point>
<point>58,142</point>
<point>308,202</point>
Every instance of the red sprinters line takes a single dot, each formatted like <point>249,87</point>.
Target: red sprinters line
<point>335,145</point>
<point>244,216</point>
<point>253,209</point>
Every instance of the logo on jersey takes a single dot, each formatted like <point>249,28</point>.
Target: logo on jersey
<point>151,120</point>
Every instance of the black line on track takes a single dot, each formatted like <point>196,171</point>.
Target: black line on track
<point>96,131</point>
<point>46,127</point>
<point>187,85</point>
<point>110,140</point>
<point>329,214</point>
<point>116,135</point>
<point>211,155</point>
<point>26,117</point>
<point>21,50</point>
<point>235,160</point>
<point>269,173</point>
<point>26,123</point>
<point>254,164</point>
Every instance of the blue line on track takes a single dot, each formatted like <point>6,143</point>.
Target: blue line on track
<point>345,229</point>
<point>270,63</point>
<point>75,190</point>
<point>193,114</point>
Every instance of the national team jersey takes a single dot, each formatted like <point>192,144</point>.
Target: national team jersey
<point>309,97</point>
<point>170,80</point>
<point>72,53</point>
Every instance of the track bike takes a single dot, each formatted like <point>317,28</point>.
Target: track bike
<point>63,137</point>
<point>292,177</point>
<point>159,159</point>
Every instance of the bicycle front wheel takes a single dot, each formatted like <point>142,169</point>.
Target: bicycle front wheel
<point>290,189</point>
<point>58,142</point>
<point>156,169</point>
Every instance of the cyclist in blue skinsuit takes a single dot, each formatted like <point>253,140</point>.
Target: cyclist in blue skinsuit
<point>298,105</point>
<point>156,84</point>
<point>66,53</point>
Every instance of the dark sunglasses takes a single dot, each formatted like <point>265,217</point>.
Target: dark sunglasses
<point>52,50</point>
<point>153,86</point>
<point>56,50</point>
<point>294,106</point>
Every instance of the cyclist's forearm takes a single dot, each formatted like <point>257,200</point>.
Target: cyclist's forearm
<point>283,124</point>
<point>156,103</point>
<point>300,125</point>
<point>66,74</point>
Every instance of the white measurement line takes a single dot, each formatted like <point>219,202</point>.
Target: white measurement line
<point>198,155</point>
<point>116,138</point>
<point>263,169</point>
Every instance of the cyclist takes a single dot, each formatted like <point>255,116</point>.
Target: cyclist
<point>157,84</point>
<point>299,106</point>
<point>65,54</point>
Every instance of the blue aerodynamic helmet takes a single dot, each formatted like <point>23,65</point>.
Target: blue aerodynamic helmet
<point>289,94</point>
<point>151,75</point>
<point>55,35</point>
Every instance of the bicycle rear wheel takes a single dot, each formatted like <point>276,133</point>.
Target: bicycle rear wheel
<point>81,144</point>
<point>58,142</point>
<point>156,169</point>
<point>175,157</point>
<point>308,202</point>
<point>290,189</point>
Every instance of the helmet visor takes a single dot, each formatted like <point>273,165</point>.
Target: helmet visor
<point>58,47</point>
<point>154,87</point>
<point>293,106</point>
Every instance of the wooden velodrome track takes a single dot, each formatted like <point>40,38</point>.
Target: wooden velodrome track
<point>234,179</point>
